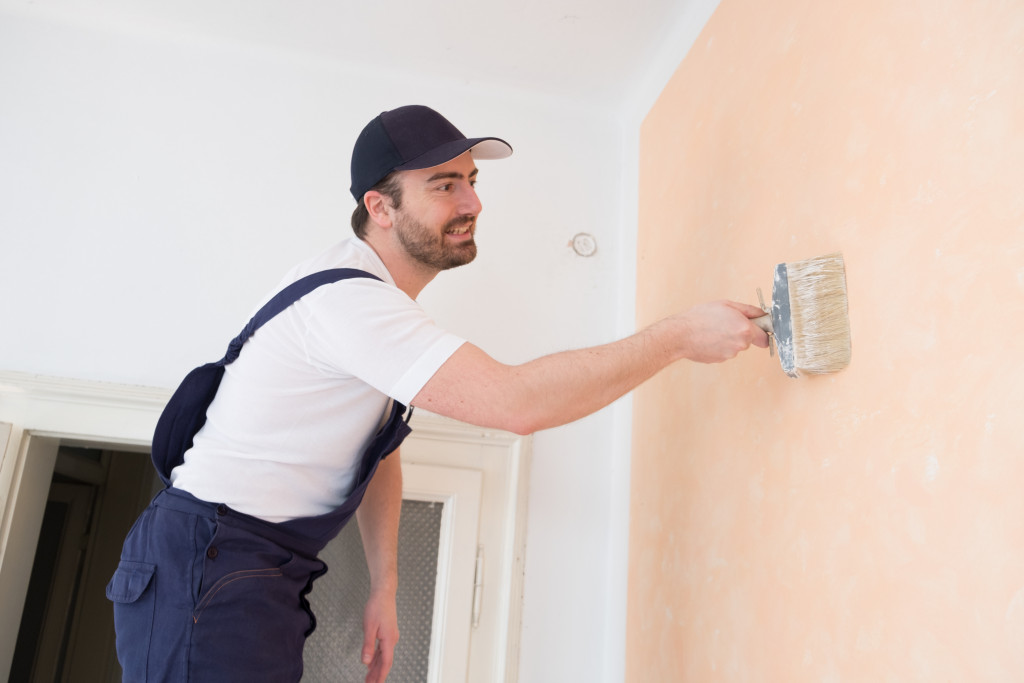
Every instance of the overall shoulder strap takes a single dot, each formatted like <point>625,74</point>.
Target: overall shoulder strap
<point>185,413</point>
<point>285,298</point>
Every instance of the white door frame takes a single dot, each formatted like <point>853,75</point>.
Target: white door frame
<point>24,505</point>
<point>38,414</point>
<point>458,490</point>
<point>78,499</point>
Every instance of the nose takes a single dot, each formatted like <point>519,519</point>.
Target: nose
<point>469,202</point>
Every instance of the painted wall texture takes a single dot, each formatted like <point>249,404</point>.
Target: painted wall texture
<point>867,525</point>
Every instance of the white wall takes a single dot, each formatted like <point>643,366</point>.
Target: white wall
<point>154,188</point>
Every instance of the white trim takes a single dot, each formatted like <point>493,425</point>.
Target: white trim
<point>427,425</point>
<point>38,411</point>
<point>503,458</point>
<point>617,587</point>
<point>82,391</point>
<point>60,605</point>
<point>459,490</point>
<point>84,410</point>
<point>24,505</point>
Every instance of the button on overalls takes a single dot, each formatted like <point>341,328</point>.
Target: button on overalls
<point>206,593</point>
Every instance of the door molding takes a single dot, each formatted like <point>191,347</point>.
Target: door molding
<point>41,413</point>
<point>458,490</point>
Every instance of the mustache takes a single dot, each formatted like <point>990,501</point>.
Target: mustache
<point>459,222</point>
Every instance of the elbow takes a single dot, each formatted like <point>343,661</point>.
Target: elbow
<point>522,428</point>
<point>523,421</point>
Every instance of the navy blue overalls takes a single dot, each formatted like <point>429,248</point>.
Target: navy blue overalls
<point>206,593</point>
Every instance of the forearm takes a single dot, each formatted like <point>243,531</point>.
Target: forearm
<point>563,387</point>
<point>547,392</point>
<point>378,518</point>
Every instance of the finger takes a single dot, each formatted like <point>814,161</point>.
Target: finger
<point>369,646</point>
<point>760,338</point>
<point>378,673</point>
<point>373,673</point>
<point>746,309</point>
<point>386,657</point>
<point>379,670</point>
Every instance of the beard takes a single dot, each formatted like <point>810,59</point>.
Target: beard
<point>432,249</point>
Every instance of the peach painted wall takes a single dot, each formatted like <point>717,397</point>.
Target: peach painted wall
<point>867,525</point>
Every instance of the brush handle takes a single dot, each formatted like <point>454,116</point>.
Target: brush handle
<point>764,322</point>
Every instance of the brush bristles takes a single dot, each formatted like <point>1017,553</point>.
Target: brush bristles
<point>821,324</point>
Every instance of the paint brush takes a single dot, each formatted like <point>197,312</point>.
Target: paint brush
<point>808,318</point>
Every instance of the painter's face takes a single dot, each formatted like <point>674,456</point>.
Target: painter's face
<point>437,218</point>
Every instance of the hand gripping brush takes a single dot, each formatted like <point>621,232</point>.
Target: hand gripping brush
<point>808,318</point>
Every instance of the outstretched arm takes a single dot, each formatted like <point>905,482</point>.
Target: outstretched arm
<point>378,516</point>
<point>557,389</point>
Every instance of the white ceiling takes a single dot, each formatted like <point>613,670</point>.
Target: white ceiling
<point>592,51</point>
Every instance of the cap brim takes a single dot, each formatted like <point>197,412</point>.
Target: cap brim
<point>490,148</point>
<point>483,148</point>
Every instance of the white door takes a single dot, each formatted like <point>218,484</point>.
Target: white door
<point>436,567</point>
<point>30,468</point>
<point>460,564</point>
<point>58,558</point>
<point>99,413</point>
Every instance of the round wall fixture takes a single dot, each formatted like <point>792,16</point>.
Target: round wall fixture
<point>584,244</point>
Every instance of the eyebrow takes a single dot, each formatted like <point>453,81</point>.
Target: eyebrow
<point>452,175</point>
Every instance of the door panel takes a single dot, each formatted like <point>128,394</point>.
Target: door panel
<point>52,589</point>
<point>436,564</point>
<point>32,469</point>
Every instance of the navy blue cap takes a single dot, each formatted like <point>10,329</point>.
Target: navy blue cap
<point>412,137</point>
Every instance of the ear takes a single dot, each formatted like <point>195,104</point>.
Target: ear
<point>379,208</point>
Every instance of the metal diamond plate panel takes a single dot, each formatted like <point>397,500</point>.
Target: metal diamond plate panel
<point>332,652</point>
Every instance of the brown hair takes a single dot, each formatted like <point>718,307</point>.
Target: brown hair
<point>390,188</point>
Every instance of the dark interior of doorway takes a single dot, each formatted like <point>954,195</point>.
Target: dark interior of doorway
<point>67,630</point>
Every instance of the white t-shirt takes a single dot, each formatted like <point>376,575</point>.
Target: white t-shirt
<point>294,412</point>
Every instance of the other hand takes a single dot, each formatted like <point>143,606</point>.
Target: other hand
<point>380,634</point>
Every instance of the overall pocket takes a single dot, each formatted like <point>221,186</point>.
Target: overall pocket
<point>248,624</point>
<point>134,609</point>
<point>237,568</point>
<point>231,586</point>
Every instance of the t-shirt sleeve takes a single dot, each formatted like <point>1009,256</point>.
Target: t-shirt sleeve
<point>373,331</point>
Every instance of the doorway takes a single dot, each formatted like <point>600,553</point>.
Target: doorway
<point>66,628</point>
<point>95,435</point>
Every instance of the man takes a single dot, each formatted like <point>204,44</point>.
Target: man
<point>213,576</point>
